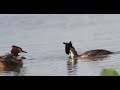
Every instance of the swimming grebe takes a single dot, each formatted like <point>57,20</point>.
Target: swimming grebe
<point>92,53</point>
<point>13,59</point>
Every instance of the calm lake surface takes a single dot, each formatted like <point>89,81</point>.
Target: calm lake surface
<point>42,36</point>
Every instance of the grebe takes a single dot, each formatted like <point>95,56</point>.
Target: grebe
<point>12,59</point>
<point>88,54</point>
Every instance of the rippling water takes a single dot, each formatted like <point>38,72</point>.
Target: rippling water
<point>42,35</point>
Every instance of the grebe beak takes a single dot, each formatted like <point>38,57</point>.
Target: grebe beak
<point>24,52</point>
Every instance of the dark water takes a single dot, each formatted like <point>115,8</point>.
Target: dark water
<point>42,36</point>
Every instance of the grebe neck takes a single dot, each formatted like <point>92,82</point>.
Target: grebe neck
<point>73,53</point>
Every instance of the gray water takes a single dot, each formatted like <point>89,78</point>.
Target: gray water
<point>42,36</point>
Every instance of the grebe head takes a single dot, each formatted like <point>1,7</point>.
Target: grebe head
<point>15,50</point>
<point>67,47</point>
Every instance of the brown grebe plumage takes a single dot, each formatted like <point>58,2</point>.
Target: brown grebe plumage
<point>13,59</point>
<point>91,53</point>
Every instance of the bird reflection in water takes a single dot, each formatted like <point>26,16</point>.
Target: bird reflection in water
<point>19,72</point>
<point>72,66</point>
<point>13,71</point>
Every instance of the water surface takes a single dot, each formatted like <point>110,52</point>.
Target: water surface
<point>42,35</point>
